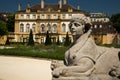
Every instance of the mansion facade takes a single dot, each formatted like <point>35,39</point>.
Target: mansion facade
<point>54,18</point>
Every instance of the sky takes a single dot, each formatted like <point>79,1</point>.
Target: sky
<point>105,6</point>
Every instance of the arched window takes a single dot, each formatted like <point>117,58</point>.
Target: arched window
<point>21,27</point>
<point>21,39</point>
<point>34,27</point>
<point>54,28</point>
<point>100,26</point>
<point>27,27</point>
<point>42,28</point>
<point>63,27</point>
<point>95,26</point>
<point>49,27</point>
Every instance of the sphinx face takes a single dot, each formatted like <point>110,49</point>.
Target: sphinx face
<point>76,28</point>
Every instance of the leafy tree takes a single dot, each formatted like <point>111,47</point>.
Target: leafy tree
<point>10,23</point>
<point>3,29</point>
<point>67,40</point>
<point>7,41</point>
<point>115,19</point>
<point>48,39</point>
<point>58,42</point>
<point>31,41</point>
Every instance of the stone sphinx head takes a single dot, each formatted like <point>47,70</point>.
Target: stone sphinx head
<point>79,24</point>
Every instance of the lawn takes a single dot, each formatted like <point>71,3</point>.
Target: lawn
<point>49,52</point>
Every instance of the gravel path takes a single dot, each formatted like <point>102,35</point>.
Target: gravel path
<point>17,68</point>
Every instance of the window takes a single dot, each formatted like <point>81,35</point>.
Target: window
<point>34,27</point>
<point>63,27</point>
<point>54,16</point>
<point>34,16</point>
<point>42,28</point>
<point>100,26</point>
<point>21,39</point>
<point>27,39</point>
<point>42,40</point>
<point>42,16</point>
<point>27,27</point>
<point>21,27</point>
<point>95,26</point>
<point>21,16</point>
<point>70,16</point>
<point>48,16</point>
<point>54,28</point>
<point>63,39</point>
<point>28,16</point>
<point>49,27</point>
<point>63,16</point>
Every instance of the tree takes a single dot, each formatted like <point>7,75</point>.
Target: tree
<point>48,39</point>
<point>3,29</point>
<point>67,40</point>
<point>10,23</point>
<point>31,41</point>
<point>7,41</point>
<point>115,19</point>
<point>58,42</point>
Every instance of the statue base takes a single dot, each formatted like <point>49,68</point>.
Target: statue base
<point>93,77</point>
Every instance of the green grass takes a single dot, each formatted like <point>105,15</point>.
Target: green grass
<point>49,52</point>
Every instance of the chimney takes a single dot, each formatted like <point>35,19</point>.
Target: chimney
<point>65,1</point>
<point>42,4</point>
<point>78,7</point>
<point>28,5</point>
<point>60,4</point>
<point>19,7</point>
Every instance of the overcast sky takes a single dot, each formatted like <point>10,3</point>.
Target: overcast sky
<point>107,6</point>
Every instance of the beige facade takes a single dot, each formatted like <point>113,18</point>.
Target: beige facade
<point>41,18</point>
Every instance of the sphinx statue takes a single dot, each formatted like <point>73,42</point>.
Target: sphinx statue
<point>84,60</point>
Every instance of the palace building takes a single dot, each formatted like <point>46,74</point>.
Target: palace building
<point>43,17</point>
<point>55,18</point>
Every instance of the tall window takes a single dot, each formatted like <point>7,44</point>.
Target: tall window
<point>21,39</point>
<point>70,16</point>
<point>54,16</point>
<point>42,40</point>
<point>63,16</point>
<point>63,27</point>
<point>27,27</point>
<point>48,16</point>
<point>21,27</point>
<point>42,28</point>
<point>34,16</point>
<point>42,16</point>
<point>21,16</point>
<point>100,26</point>
<point>95,26</point>
<point>34,27</point>
<point>48,27</point>
<point>28,16</point>
<point>54,28</point>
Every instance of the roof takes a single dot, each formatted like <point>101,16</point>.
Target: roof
<point>104,29</point>
<point>98,15</point>
<point>52,7</point>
